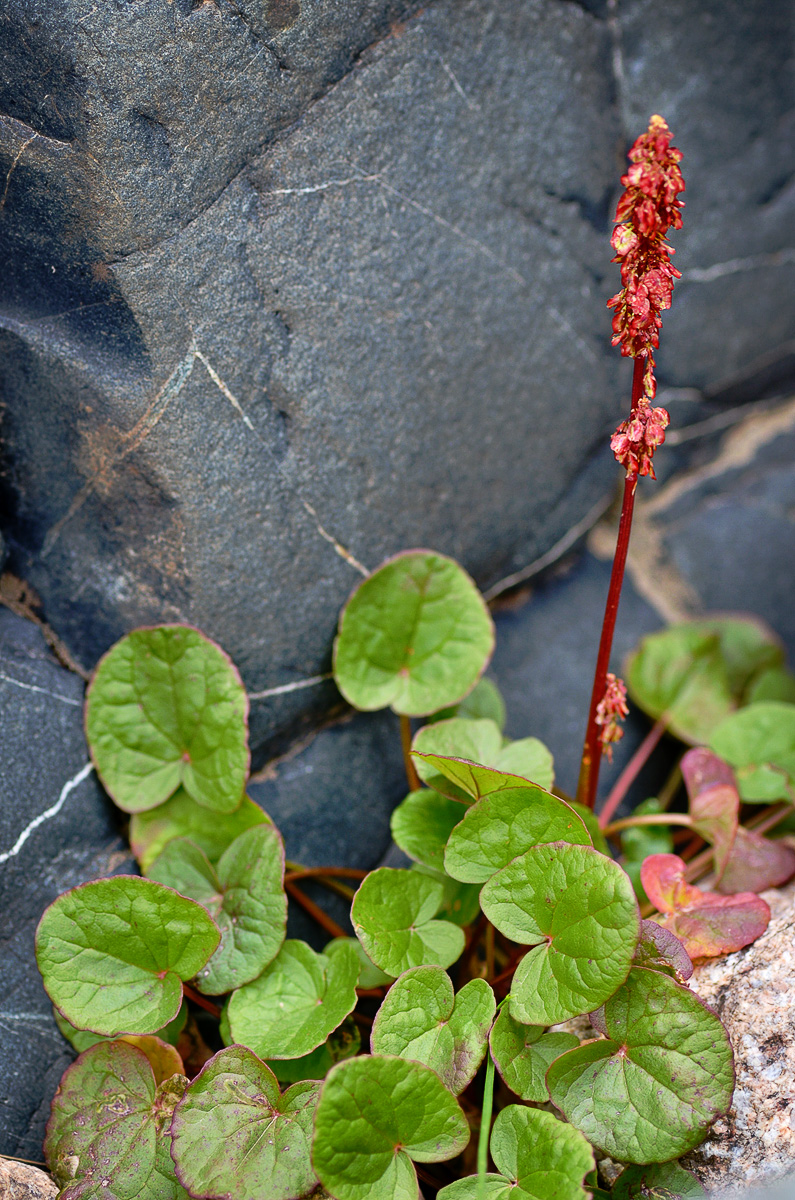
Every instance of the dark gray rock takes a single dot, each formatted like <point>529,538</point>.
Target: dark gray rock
<point>728,528</point>
<point>720,71</point>
<point>57,829</point>
<point>336,311</point>
<point>280,276</point>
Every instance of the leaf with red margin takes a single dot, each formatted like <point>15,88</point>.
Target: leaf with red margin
<point>744,861</point>
<point>705,923</point>
<point>660,950</point>
<point>714,802</point>
<point>756,863</point>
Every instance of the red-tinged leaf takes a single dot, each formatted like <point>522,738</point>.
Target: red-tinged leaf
<point>714,802</point>
<point>705,923</point>
<point>715,813</point>
<point>660,950</point>
<point>755,863</point>
<point>663,879</point>
<point>702,769</point>
<point>719,924</point>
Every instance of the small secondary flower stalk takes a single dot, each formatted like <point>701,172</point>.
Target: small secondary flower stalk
<point>648,208</point>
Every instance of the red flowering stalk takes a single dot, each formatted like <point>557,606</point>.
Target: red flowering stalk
<point>648,208</point>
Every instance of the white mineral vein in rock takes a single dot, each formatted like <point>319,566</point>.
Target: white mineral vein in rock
<point>32,687</point>
<point>53,811</point>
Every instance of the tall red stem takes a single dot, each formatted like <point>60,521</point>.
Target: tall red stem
<point>592,748</point>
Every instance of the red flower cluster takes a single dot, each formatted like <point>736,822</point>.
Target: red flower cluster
<point>611,709</point>
<point>635,440</point>
<point>646,211</point>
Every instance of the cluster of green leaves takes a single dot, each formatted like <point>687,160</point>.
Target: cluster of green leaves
<point>512,919</point>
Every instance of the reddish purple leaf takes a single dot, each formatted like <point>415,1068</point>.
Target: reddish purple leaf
<point>705,923</point>
<point>714,802</point>
<point>661,950</point>
<point>663,879</point>
<point>755,863</point>
<point>701,769</point>
<point>744,861</point>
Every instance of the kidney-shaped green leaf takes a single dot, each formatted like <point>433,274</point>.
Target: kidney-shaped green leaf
<point>667,1180</point>
<point>538,1157</point>
<point>577,909</point>
<point>421,1019</point>
<point>392,916</point>
<point>651,1091</point>
<point>694,674</point>
<point>108,1133</point>
<point>505,824</point>
<point>422,824</point>
<point>181,816</point>
<point>759,742</point>
<point>296,1002</point>
<point>523,1054</point>
<point>416,636</point>
<point>113,953</point>
<point>479,741</point>
<point>244,895</point>
<point>375,1115</point>
<point>236,1135</point>
<point>167,707</point>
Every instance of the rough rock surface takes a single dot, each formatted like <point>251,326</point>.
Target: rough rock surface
<point>284,274</point>
<point>752,992</point>
<point>19,1181</point>
<point>57,829</point>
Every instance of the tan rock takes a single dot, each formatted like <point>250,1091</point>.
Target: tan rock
<point>753,992</point>
<point>19,1181</point>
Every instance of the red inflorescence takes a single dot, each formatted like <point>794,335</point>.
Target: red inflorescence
<point>611,709</point>
<point>646,211</point>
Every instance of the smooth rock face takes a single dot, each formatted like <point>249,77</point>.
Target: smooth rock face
<point>752,992</point>
<point>57,829</point>
<point>281,275</point>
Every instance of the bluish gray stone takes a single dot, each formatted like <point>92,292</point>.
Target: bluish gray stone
<point>57,829</point>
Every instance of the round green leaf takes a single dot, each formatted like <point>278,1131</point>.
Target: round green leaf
<point>591,823</point>
<point>244,895</point>
<point>523,1054</point>
<point>538,1157</point>
<point>113,953</point>
<point>422,824</point>
<point>416,635</point>
<point>775,683</point>
<point>370,976</point>
<point>375,1115</point>
<point>167,707</point>
<point>235,1134</point>
<point>108,1133</point>
<point>668,1180</point>
<point>479,741</point>
<point>460,901</point>
<point>694,674</point>
<point>296,1002</point>
<point>577,909</point>
<point>650,1092</point>
<point>421,1019</point>
<point>759,742</point>
<point>467,780</point>
<point>485,700</point>
<point>181,816</point>
<point>501,826</point>
<point>392,916</point>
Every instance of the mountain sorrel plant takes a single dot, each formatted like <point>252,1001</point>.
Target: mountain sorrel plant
<point>220,1060</point>
<point>646,211</point>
